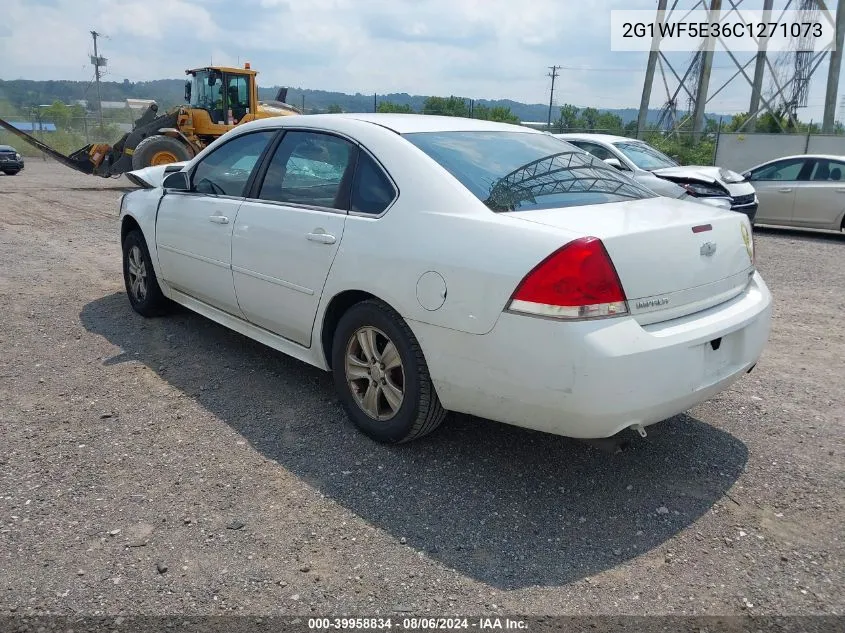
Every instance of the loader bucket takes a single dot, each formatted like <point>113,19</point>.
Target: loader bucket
<point>78,160</point>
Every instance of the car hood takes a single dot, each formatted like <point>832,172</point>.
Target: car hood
<point>699,173</point>
<point>152,177</point>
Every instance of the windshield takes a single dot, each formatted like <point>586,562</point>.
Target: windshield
<point>205,96</point>
<point>644,156</point>
<point>517,171</point>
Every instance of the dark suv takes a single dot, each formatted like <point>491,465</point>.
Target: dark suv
<point>11,162</point>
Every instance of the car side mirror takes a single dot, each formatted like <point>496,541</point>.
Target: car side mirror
<point>177,181</point>
<point>615,162</point>
<point>188,91</point>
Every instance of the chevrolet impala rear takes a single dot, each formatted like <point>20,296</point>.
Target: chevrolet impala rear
<point>646,308</point>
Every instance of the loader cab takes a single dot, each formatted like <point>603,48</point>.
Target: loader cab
<point>217,90</point>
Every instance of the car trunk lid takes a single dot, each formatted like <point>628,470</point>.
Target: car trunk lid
<point>672,257</point>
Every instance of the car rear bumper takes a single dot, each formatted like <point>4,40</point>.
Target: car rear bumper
<point>592,379</point>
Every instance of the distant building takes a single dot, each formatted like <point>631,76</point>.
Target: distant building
<point>29,126</point>
<point>134,105</point>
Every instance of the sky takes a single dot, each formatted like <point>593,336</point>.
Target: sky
<point>488,49</point>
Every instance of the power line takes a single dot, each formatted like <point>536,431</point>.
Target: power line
<point>619,69</point>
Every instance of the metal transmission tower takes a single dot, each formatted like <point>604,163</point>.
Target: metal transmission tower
<point>797,65</point>
<point>696,64</point>
<point>789,77</point>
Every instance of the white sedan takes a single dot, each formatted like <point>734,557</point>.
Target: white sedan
<point>805,191</point>
<point>438,264</point>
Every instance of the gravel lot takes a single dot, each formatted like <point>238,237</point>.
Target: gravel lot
<point>172,466</point>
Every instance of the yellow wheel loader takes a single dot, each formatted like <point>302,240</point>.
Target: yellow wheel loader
<point>218,98</point>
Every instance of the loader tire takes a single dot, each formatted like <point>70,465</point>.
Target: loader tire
<point>159,150</point>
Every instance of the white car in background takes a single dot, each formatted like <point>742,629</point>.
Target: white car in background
<point>652,168</point>
<point>439,263</point>
<point>806,191</point>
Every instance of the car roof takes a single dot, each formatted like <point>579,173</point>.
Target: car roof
<point>401,123</point>
<point>589,136</point>
<point>780,158</point>
<point>823,156</point>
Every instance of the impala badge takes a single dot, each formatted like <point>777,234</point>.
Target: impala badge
<point>708,248</point>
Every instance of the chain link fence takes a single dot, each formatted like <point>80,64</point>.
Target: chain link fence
<point>67,135</point>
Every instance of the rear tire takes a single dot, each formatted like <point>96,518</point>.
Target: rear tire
<point>381,375</point>
<point>142,287</point>
<point>159,150</point>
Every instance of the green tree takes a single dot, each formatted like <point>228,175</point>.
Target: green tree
<point>569,116</point>
<point>334,109</point>
<point>453,106</point>
<point>737,121</point>
<point>682,148</point>
<point>58,113</point>
<point>609,123</point>
<point>590,116</point>
<point>501,114</point>
<point>771,122</point>
<point>389,106</point>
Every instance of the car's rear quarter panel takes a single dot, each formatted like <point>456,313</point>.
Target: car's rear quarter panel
<point>436,224</point>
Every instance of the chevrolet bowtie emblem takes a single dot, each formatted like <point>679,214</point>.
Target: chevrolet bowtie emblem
<point>708,248</point>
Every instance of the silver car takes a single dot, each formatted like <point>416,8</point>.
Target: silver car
<point>665,177</point>
<point>806,191</point>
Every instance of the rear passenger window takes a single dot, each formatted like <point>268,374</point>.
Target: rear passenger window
<point>372,191</point>
<point>310,168</point>
<point>596,150</point>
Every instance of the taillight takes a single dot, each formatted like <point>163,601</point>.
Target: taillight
<point>577,281</point>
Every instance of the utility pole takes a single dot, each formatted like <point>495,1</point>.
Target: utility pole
<point>375,102</point>
<point>553,75</point>
<point>704,77</point>
<point>642,119</point>
<point>833,71</point>
<point>97,61</point>
<point>303,103</point>
<point>759,71</point>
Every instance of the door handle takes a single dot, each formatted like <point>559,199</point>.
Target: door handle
<point>787,190</point>
<point>322,238</point>
<point>840,191</point>
<point>218,219</point>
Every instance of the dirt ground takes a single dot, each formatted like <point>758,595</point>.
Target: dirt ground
<point>172,466</point>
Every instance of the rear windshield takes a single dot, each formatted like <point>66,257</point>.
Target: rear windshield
<point>519,171</point>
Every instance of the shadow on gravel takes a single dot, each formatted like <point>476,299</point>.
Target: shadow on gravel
<point>508,507</point>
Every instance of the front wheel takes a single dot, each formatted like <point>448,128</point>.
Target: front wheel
<point>159,150</point>
<point>139,277</point>
<point>381,375</point>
